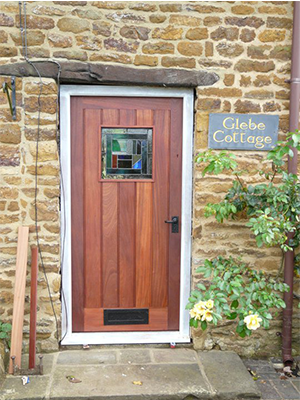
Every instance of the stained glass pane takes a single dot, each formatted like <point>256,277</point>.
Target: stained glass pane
<point>127,153</point>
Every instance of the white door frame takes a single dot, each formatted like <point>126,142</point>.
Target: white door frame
<point>183,334</point>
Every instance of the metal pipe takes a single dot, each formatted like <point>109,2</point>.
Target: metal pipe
<point>292,168</point>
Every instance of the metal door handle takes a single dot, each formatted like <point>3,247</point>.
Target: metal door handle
<point>175,224</point>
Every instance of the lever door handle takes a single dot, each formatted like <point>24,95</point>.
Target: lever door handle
<point>175,224</point>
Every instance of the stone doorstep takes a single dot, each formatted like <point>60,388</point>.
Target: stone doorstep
<point>166,374</point>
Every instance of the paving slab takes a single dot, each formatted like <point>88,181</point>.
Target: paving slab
<point>134,357</point>
<point>13,388</point>
<point>228,375</point>
<point>174,355</point>
<point>48,360</point>
<point>84,357</point>
<point>164,381</point>
<point>286,389</point>
<point>268,391</point>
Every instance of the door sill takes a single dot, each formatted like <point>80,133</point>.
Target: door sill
<point>93,338</point>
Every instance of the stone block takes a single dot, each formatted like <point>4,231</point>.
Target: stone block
<point>205,9</point>
<point>56,40</point>
<point>272,35</point>
<point>247,35</point>
<point>76,55</point>
<point>209,49</point>
<point>102,28</point>
<point>184,20</point>
<point>45,169</point>
<point>47,87</point>
<point>134,356</point>
<point>3,37</point>
<point>225,33</point>
<point>282,53</point>
<point>135,32</point>
<point>259,52</point>
<point>6,20</point>
<point>146,60</point>
<point>208,104</point>
<point>34,38</point>
<point>252,22</point>
<point>257,66</point>
<point>228,79</point>
<point>9,156</point>
<point>197,34</point>
<point>73,25</point>
<point>168,33</point>
<point>111,57</point>
<point>87,13</point>
<point>262,80</point>
<point>212,21</point>
<point>44,134</point>
<point>178,62</point>
<point>48,104</point>
<point>170,7</point>
<point>190,49</point>
<point>121,45</point>
<point>157,18</point>
<point>10,133</point>
<point>259,94</point>
<point>45,10</point>
<point>272,10</point>
<point>158,48</point>
<point>109,5</point>
<point>143,7</point>
<point>125,17</point>
<point>8,51</point>
<point>34,22</point>
<point>229,50</point>
<point>242,9</point>
<point>280,23</point>
<point>47,151</point>
<point>246,107</point>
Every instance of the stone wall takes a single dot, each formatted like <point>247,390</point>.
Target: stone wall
<point>248,44</point>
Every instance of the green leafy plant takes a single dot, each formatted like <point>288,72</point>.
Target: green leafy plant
<point>236,290</point>
<point>5,329</point>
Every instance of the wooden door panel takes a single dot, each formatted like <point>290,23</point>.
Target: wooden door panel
<point>110,245</point>
<point>124,256</point>
<point>127,226</point>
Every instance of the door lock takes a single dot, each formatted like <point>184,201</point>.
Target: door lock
<point>175,224</point>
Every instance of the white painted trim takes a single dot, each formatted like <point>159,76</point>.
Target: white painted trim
<point>183,335</point>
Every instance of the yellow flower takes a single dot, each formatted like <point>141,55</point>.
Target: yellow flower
<point>194,314</point>
<point>252,321</point>
<point>209,304</point>
<point>200,307</point>
<point>207,316</point>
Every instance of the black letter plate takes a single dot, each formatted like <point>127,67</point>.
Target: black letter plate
<point>126,317</point>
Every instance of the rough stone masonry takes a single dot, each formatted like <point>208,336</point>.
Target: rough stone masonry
<point>247,44</point>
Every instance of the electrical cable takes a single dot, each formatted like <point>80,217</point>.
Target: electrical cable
<point>25,54</point>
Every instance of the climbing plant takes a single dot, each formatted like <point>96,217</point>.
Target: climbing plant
<point>236,290</point>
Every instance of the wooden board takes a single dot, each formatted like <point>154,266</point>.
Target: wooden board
<point>19,297</point>
<point>33,306</point>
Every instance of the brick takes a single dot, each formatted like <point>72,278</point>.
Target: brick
<point>143,7</point>
<point>168,33</point>
<point>6,20</point>
<point>178,62</point>
<point>262,80</point>
<point>34,38</point>
<point>228,79</point>
<point>281,23</point>
<point>48,104</point>
<point>229,50</point>
<point>56,40</point>
<point>34,22</point>
<point>73,25</point>
<point>242,9</point>
<point>126,17</point>
<point>89,43</point>
<point>8,51</point>
<point>225,33</point>
<point>246,106</point>
<point>135,32</point>
<point>158,48</point>
<point>146,60</point>
<point>87,13</point>
<point>10,134</point>
<point>170,7</point>
<point>259,94</point>
<point>112,57</point>
<point>252,22</point>
<point>212,21</point>
<point>190,49</point>
<point>184,20</point>
<point>102,28</point>
<point>271,35</point>
<point>282,53</point>
<point>9,156</point>
<point>121,45</point>
<point>247,35</point>
<point>44,10</point>
<point>197,34</point>
<point>257,66</point>
<point>259,52</point>
<point>157,18</point>
<point>209,49</point>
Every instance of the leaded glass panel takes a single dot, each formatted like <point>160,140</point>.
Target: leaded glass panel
<point>127,153</point>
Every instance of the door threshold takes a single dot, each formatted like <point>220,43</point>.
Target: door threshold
<point>94,338</point>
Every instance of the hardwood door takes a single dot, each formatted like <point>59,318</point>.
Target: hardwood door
<point>126,161</point>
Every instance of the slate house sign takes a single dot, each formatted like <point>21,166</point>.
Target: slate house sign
<point>242,131</point>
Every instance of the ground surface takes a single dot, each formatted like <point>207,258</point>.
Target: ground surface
<point>270,382</point>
